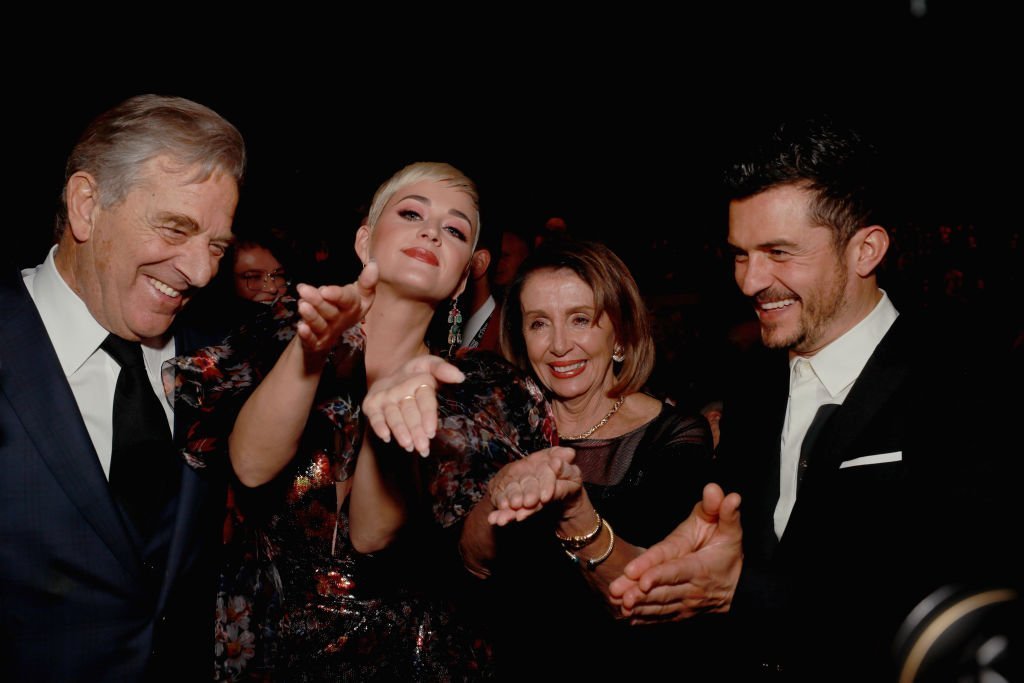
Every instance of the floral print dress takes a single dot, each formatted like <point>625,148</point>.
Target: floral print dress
<point>296,601</point>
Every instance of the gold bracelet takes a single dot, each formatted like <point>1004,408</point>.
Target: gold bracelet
<point>592,564</point>
<point>577,542</point>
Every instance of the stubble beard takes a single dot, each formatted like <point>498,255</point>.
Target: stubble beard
<point>816,316</point>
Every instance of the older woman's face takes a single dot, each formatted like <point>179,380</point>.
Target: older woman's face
<point>569,348</point>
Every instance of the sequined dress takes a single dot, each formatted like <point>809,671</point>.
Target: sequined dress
<point>296,601</point>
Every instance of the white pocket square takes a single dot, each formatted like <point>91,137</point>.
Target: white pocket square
<point>877,459</point>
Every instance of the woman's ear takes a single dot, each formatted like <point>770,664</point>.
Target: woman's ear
<point>82,198</point>
<point>362,244</point>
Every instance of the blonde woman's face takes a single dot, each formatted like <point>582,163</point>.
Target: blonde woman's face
<point>423,240</point>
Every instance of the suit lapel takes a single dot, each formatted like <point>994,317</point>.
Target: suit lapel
<point>192,487</point>
<point>51,416</point>
<point>883,375</point>
<point>489,341</point>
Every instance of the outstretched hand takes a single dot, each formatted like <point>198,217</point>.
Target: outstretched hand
<point>694,570</point>
<point>404,404</point>
<point>525,486</point>
<point>328,311</point>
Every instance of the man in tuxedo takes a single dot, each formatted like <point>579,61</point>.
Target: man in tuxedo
<point>482,319</point>
<point>103,526</point>
<point>852,442</point>
<point>480,311</point>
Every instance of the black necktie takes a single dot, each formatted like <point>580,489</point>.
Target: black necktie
<point>144,470</point>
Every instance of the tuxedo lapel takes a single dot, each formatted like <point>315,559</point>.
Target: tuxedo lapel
<point>192,486</point>
<point>33,383</point>
<point>882,376</point>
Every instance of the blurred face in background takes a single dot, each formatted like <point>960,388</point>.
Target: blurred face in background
<point>514,251</point>
<point>258,275</point>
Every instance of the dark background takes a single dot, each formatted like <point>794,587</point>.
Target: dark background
<point>619,124</point>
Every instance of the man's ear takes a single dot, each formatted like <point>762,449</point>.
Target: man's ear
<point>362,244</point>
<point>81,196</point>
<point>869,247</point>
<point>479,264</point>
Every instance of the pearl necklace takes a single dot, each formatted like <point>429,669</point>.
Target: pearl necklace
<point>602,423</point>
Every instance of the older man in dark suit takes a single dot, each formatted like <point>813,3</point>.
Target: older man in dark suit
<point>853,443</point>
<point>102,526</point>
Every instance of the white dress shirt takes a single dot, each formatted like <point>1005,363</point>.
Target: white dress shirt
<point>92,374</point>
<point>475,322</point>
<point>825,377</point>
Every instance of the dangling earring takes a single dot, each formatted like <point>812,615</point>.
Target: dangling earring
<point>618,354</point>
<point>455,320</point>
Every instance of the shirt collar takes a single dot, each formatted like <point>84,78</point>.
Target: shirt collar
<point>840,363</point>
<point>476,321</point>
<point>73,331</point>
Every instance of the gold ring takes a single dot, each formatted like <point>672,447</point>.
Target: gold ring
<point>407,398</point>
<point>422,386</point>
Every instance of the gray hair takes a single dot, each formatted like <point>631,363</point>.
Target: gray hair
<point>118,143</point>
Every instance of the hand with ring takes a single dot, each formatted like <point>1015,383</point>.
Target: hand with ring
<point>523,487</point>
<point>404,404</point>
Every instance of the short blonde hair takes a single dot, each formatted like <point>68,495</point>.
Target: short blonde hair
<point>424,170</point>
<point>615,293</point>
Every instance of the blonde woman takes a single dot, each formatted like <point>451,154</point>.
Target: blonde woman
<point>317,493</point>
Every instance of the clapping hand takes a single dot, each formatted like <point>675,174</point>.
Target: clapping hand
<point>694,570</point>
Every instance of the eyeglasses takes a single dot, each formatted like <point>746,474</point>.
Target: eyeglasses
<point>262,281</point>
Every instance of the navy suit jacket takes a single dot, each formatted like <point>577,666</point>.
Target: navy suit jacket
<point>77,600</point>
<point>864,543</point>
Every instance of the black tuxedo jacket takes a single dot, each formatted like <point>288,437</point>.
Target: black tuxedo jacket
<point>896,486</point>
<point>78,601</point>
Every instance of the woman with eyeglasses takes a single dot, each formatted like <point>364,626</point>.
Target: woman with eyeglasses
<point>258,274</point>
<point>300,600</point>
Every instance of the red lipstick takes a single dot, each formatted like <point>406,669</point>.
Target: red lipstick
<point>421,254</point>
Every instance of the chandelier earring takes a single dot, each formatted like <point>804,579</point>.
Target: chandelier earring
<point>455,321</point>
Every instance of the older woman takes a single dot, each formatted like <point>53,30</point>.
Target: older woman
<point>300,601</point>
<point>634,468</point>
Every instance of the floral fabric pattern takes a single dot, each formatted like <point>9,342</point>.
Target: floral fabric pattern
<point>296,602</point>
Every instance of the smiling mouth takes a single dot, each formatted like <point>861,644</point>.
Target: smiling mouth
<point>769,306</point>
<point>567,370</point>
<point>421,254</point>
<point>164,288</point>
